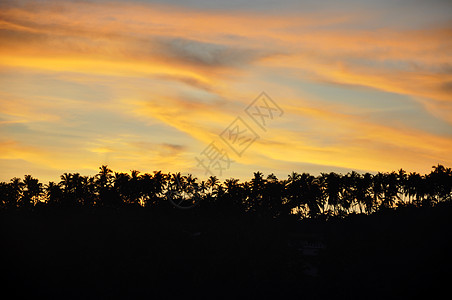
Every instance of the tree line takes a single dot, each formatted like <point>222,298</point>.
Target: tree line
<point>304,195</point>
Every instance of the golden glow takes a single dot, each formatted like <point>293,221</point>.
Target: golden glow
<point>148,86</point>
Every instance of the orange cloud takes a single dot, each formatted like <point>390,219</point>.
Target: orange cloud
<point>332,138</point>
<point>410,62</point>
<point>18,110</point>
<point>142,40</point>
<point>350,141</point>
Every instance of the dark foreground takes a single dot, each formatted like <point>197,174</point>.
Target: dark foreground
<point>135,253</point>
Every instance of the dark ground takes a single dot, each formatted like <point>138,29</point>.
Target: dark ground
<point>137,253</point>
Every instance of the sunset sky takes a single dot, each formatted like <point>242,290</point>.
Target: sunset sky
<point>149,85</point>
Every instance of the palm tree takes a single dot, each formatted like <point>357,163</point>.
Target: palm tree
<point>17,190</point>
<point>231,185</point>
<point>192,183</point>
<point>4,194</point>
<point>333,189</point>
<point>349,191</point>
<point>410,186</point>
<point>203,187</point>
<point>135,187</point>
<point>183,191</point>
<point>305,194</point>
<point>54,193</point>
<point>390,189</point>
<point>274,202</point>
<point>73,187</point>
<point>294,176</point>
<point>65,182</point>
<point>363,193</point>
<point>104,177</point>
<point>402,179</point>
<point>77,188</point>
<point>357,191</point>
<point>440,179</point>
<point>11,192</point>
<point>311,194</point>
<point>293,191</point>
<point>377,189</point>
<point>213,183</point>
<point>193,190</point>
<point>122,186</point>
<point>233,197</point>
<point>257,187</point>
<point>106,195</point>
<point>159,180</point>
<point>32,191</point>
<point>88,195</point>
<point>155,192</point>
<point>416,187</point>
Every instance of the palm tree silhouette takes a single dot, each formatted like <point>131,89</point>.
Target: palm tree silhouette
<point>293,191</point>
<point>17,190</point>
<point>121,186</point>
<point>11,193</point>
<point>377,190</point>
<point>391,190</point>
<point>402,179</point>
<point>54,193</point>
<point>135,188</point>
<point>158,183</point>
<point>32,191</point>
<point>212,185</point>
<point>348,192</point>
<point>5,194</point>
<point>256,192</point>
<point>311,194</point>
<point>329,194</point>
<point>364,192</point>
<point>106,195</point>
<point>233,198</point>
<point>274,202</point>
<point>104,177</point>
<point>440,183</point>
<point>333,189</point>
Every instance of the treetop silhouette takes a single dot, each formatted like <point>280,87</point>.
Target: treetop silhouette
<point>304,195</point>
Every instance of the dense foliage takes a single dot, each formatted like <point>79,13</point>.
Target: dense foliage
<point>305,195</point>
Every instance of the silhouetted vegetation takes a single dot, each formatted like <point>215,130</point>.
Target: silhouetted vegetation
<point>303,195</point>
<point>116,235</point>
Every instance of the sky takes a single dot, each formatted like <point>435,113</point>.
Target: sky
<point>224,88</point>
